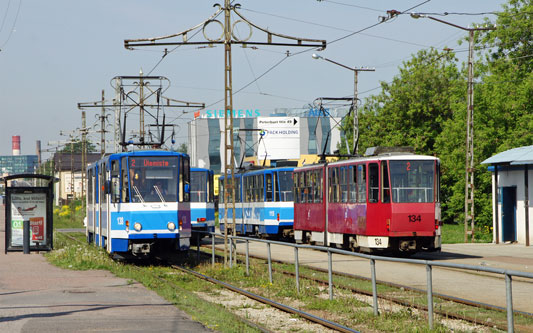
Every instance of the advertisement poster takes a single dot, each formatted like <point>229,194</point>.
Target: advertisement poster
<point>280,138</point>
<point>30,207</point>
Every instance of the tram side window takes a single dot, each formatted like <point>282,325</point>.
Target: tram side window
<point>318,187</point>
<point>210,195</point>
<point>296,189</point>
<point>310,185</point>
<point>352,182</point>
<point>361,183</point>
<point>186,179</point>
<point>90,186</point>
<point>343,184</point>
<point>385,187</point>
<point>269,189</point>
<point>221,190</point>
<point>334,189</point>
<point>238,197</point>
<point>101,181</point>
<point>276,187</point>
<point>373,182</point>
<point>115,182</point>
<point>125,189</point>
<point>301,185</point>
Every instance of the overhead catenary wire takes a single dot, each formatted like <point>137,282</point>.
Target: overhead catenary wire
<point>313,48</point>
<point>12,27</point>
<point>5,16</point>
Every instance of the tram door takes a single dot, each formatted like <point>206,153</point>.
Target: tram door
<point>508,213</point>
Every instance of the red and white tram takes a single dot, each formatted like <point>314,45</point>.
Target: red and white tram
<point>387,202</point>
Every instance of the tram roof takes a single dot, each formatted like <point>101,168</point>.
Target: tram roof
<point>146,153</point>
<point>388,157</point>
<point>260,171</point>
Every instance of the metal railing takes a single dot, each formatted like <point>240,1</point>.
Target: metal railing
<point>372,260</point>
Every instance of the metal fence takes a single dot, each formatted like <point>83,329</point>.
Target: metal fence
<point>372,260</point>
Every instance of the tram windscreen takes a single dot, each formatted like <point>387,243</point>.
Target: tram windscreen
<point>412,181</point>
<point>198,186</point>
<point>153,179</point>
<point>285,186</point>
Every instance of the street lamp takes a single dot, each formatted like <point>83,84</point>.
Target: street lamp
<point>469,165</point>
<point>356,70</point>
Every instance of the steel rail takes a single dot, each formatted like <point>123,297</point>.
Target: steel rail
<point>283,307</point>
<point>398,301</point>
<point>396,285</point>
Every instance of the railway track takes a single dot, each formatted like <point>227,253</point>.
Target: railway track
<point>286,308</point>
<point>397,300</point>
<point>501,325</point>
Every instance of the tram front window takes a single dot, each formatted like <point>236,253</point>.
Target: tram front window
<point>285,186</point>
<point>412,181</point>
<point>198,186</point>
<point>153,179</point>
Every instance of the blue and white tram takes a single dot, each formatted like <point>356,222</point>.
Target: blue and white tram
<point>264,203</point>
<point>202,200</point>
<point>138,202</point>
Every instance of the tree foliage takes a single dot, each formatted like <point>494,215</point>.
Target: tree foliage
<point>76,147</point>
<point>425,107</point>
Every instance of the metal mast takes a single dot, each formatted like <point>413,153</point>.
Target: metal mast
<point>229,188</point>
<point>150,98</point>
<point>469,163</point>
<point>227,38</point>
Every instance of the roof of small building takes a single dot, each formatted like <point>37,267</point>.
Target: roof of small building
<point>515,156</point>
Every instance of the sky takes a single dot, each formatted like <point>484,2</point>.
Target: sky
<point>55,54</point>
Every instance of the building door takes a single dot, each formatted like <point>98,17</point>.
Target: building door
<point>508,213</point>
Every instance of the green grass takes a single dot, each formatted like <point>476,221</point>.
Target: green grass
<point>455,233</point>
<point>181,289</point>
<point>181,292</point>
<point>69,216</point>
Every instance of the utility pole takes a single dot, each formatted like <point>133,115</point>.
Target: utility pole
<point>116,103</point>
<point>83,152</point>
<point>124,104</point>
<point>102,128</point>
<point>354,107</point>
<point>227,38</point>
<point>469,163</point>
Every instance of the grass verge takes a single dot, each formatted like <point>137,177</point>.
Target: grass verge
<point>80,256</point>
<point>453,233</point>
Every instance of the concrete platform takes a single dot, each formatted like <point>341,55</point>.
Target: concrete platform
<point>36,296</point>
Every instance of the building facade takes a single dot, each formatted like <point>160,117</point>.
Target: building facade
<point>11,165</point>
<point>512,211</point>
<point>264,138</point>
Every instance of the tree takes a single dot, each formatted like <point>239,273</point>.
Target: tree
<point>411,110</point>
<point>76,147</point>
<point>182,148</point>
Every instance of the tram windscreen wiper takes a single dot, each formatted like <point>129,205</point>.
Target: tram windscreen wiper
<point>138,194</point>
<point>159,194</point>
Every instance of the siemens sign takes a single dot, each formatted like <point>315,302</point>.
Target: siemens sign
<point>240,113</point>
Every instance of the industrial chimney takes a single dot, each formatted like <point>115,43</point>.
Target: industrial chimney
<point>15,145</point>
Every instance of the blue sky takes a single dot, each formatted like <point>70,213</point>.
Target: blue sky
<point>57,53</point>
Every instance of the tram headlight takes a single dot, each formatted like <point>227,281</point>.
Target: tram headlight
<point>171,226</point>
<point>137,226</point>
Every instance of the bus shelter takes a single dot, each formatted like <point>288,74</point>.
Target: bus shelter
<point>29,212</point>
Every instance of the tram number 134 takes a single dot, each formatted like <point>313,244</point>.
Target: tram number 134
<point>415,218</point>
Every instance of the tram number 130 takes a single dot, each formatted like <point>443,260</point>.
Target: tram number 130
<point>415,218</point>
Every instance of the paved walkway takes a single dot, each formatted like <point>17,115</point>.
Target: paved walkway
<point>36,296</point>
